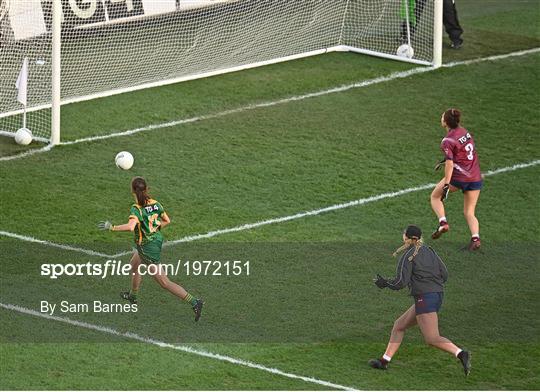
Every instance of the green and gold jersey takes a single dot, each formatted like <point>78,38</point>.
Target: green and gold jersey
<point>148,221</point>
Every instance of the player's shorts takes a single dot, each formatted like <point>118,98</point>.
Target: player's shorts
<point>150,252</point>
<point>428,302</point>
<point>467,186</point>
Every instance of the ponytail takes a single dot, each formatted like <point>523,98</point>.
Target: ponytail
<point>416,242</point>
<point>140,189</point>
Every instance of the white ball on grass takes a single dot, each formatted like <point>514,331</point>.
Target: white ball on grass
<point>405,51</point>
<point>23,136</point>
<point>124,160</point>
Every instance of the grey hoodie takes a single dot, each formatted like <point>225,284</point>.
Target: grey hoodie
<point>426,273</point>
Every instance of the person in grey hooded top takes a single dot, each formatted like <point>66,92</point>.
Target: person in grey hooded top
<point>423,271</point>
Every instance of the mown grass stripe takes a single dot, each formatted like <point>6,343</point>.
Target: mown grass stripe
<point>334,207</point>
<point>249,226</point>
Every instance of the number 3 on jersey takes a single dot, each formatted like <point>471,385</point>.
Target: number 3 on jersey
<point>153,223</point>
<point>469,148</point>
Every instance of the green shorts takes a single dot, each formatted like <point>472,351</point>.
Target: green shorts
<point>150,252</point>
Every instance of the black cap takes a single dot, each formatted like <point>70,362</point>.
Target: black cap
<point>413,231</point>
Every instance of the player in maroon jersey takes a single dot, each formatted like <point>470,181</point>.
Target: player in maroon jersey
<point>461,171</point>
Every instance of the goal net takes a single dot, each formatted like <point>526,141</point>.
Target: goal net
<point>115,46</point>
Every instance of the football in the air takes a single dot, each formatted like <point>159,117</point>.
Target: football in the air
<point>23,136</point>
<point>405,51</point>
<point>124,160</point>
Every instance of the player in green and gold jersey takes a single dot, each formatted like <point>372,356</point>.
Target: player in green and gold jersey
<point>146,219</point>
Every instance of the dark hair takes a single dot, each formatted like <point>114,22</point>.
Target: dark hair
<point>452,118</point>
<point>413,237</point>
<point>413,232</point>
<point>139,187</point>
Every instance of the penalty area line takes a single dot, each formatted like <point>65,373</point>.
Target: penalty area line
<point>183,348</point>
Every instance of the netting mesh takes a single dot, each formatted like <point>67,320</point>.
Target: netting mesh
<point>28,39</point>
<point>116,44</point>
<point>381,26</point>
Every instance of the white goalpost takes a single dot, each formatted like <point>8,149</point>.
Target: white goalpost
<point>78,50</point>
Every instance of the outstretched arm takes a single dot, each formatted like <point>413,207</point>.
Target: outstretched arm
<point>130,226</point>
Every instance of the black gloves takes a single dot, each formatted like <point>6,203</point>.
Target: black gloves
<point>446,187</point>
<point>380,282</point>
<point>439,164</point>
<point>445,190</point>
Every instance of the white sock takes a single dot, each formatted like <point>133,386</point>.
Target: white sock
<point>387,358</point>
<point>442,218</point>
<point>476,235</point>
<point>457,352</point>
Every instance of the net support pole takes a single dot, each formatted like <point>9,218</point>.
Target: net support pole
<point>55,66</point>
<point>437,33</point>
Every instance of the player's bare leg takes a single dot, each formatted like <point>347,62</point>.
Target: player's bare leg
<point>163,280</point>
<point>429,325</point>
<point>437,206</point>
<point>136,279</point>
<point>470,199</point>
<point>404,322</point>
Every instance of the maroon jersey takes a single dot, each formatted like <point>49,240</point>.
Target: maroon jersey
<point>458,146</point>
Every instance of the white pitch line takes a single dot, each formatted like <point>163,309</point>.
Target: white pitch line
<point>334,207</point>
<point>169,124</point>
<point>186,349</point>
<point>27,153</point>
<point>492,58</point>
<point>53,244</point>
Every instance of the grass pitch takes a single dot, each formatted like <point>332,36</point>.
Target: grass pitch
<point>308,306</point>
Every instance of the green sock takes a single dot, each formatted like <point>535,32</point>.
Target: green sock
<point>133,292</point>
<point>190,299</point>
